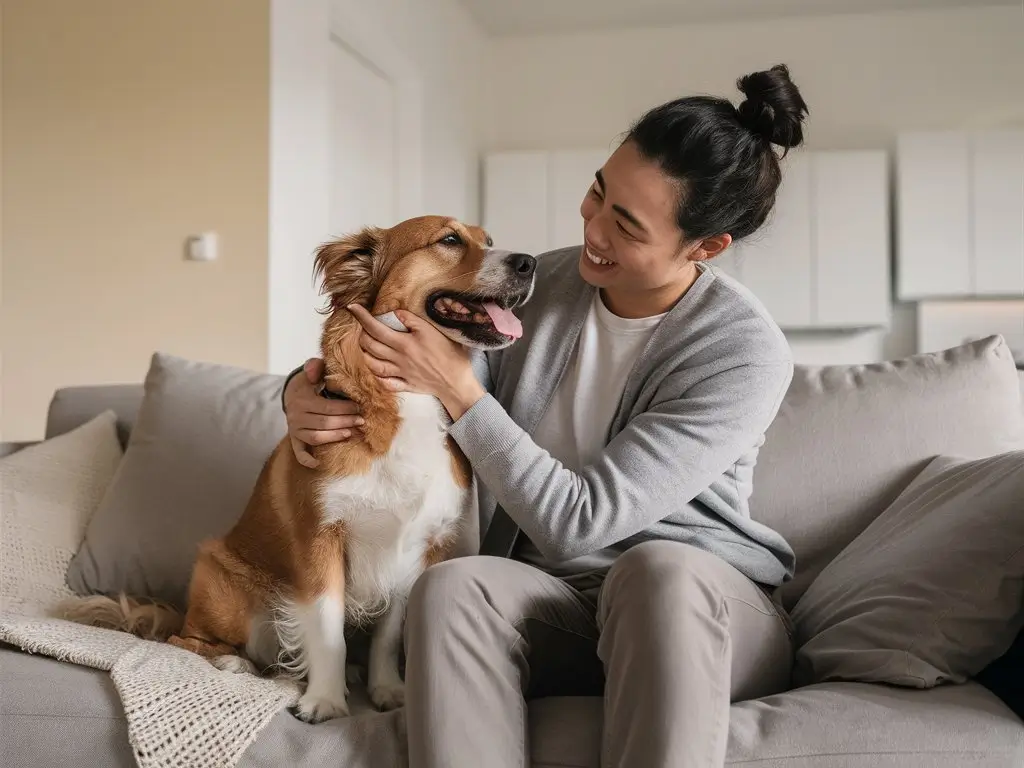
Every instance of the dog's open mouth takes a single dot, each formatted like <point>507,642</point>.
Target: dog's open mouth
<point>476,316</point>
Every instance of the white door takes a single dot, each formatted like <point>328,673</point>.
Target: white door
<point>363,144</point>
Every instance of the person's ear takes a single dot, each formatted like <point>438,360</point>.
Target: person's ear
<point>710,247</point>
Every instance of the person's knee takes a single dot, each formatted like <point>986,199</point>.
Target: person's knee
<point>661,573</point>
<point>444,587</point>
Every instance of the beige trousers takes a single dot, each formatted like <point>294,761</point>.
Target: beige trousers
<point>671,637</point>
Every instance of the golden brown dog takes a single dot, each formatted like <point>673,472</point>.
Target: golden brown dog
<point>316,549</point>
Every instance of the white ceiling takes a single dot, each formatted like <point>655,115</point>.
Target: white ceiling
<point>525,17</point>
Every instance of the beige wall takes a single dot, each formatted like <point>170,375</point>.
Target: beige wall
<point>127,126</point>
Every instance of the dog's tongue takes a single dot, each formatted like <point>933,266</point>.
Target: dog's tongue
<point>504,320</point>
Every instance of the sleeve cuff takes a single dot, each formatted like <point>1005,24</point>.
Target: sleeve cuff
<point>287,379</point>
<point>485,429</point>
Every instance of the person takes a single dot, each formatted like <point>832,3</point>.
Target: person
<point>614,445</point>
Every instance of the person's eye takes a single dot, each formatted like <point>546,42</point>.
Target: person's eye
<point>624,231</point>
<point>595,191</point>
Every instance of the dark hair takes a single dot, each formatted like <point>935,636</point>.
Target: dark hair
<point>722,156</point>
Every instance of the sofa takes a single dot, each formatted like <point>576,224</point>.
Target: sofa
<point>845,454</point>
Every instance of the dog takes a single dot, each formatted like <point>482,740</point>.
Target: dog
<point>319,550</point>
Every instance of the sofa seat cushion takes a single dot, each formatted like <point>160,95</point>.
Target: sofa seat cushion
<point>830,725</point>
<point>55,714</point>
<point>59,715</point>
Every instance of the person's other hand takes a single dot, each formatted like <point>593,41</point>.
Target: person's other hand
<point>316,420</point>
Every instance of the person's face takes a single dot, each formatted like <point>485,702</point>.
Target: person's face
<point>631,240</point>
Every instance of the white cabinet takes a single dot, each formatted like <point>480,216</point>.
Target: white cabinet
<point>960,214</point>
<point>997,206</point>
<point>532,199</point>
<point>821,261</point>
<point>851,226</point>
<point>776,262</point>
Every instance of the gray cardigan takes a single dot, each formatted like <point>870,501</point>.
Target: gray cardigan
<point>681,448</point>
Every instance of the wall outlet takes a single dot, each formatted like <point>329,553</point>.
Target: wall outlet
<point>202,247</point>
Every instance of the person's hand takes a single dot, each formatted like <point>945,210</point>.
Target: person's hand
<point>316,420</point>
<point>423,360</point>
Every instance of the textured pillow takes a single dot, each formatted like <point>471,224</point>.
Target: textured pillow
<point>849,438</point>
<point>202,435</point>
<point>49,492</point>
<point>932,591</point>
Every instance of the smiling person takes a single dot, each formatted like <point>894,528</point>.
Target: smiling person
<point>615,446</point>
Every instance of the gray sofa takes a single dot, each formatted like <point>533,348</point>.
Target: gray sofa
<point>846,441</point>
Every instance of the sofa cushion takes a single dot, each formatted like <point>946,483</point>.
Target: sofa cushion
<point>59,715</point>
<point>932,590</point>
<point>202,434</point>
<point>832,725</point>
<point>48,493</point>
<point>71,407</point>
<point>848,439</point>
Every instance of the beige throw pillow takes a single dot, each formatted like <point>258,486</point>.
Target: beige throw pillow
<point>932,591</point>
<point>202,435</point>
<point>849,439</point>
<point>48,494</point>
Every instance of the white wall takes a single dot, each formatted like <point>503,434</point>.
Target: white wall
<point>864,77</point>
<point>434,48</point>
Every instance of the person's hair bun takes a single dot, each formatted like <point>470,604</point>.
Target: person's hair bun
<point>774,108</point>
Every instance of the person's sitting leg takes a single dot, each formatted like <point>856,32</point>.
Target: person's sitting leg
<point>479,632</point>
<point>683,634</point>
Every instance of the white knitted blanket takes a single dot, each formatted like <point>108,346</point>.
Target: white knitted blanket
<point>181,711</point>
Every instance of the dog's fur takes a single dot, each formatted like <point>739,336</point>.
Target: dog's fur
<point>316,549</point>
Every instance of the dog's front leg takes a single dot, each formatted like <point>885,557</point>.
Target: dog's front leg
<point>387,691</point>
<point>323,634</point>
<point>321,622</point>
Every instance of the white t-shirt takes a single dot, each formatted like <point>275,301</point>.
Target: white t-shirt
<point>574,429</point>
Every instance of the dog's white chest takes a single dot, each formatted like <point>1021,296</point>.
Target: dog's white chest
<point>392,514</point>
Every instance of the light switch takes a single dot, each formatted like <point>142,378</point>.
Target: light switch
<point>202,247</point>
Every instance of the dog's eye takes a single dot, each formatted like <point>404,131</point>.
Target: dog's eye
<point>452,239</point>
<point>490,241</point>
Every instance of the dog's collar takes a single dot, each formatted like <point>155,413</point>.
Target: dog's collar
<point>390,319</point>
<point>325,392</point>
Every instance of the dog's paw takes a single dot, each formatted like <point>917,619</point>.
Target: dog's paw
<point>316,709</point>
<point>235,664</point>
<point>388,696</point>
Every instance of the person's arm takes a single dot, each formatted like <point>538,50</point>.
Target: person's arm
<point>660,461</point>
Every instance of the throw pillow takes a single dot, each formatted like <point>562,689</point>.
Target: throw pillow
<point>931,591</point>
<point>49,493</point>
<point>849,438</point>
<point>202,435</point>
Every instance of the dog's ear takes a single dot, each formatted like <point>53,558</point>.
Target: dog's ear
<point>349,268</point>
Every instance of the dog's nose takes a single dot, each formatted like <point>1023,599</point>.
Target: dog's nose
<point>522,263</point>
